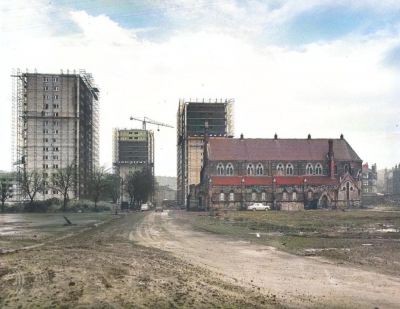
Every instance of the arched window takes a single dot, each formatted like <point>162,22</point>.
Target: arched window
<point>263,196</point>
<point>259,169</point>
<point>309,195</point>
<point>280,169</point>
<point>284,196</point>
<point>229,169</point>
<point>309,169</point>
<point>318,169</point>
<point>231,196</point>
<point>250,169</point>
<point>289,169</point>
<point>294,196</point>
<point>220,169</point>
<point>253,196</point>
<point>222,196</point>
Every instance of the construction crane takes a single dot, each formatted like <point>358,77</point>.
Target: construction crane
<point>146,120</point>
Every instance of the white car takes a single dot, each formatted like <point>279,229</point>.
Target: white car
<point>144,207</point>
<point>258,206</point>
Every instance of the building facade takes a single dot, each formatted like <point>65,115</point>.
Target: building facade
<point>287,174</point>
<point>194,120</point>
<point>369,179</point>
<point>55,125</point>
<point>392,180</point>
<point>133,150</point>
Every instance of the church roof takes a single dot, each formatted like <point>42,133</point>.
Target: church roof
<point>248,149</point>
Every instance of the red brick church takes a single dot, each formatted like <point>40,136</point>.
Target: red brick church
<point>287,174</point>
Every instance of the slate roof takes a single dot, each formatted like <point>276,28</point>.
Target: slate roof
<point>247,149</point>
<point>267,180</point>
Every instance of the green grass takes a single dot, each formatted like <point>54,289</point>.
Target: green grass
<point>360,237</point>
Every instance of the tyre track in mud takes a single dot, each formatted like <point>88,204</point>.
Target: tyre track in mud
<point>104,267</point>
<point>297,281</point>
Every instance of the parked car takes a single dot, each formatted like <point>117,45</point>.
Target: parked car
<point>258,206</point>
<point>159,209</point>
<point>144,207</point>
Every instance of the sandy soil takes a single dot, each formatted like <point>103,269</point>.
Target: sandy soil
<point>104,267</point>
<point>297,281</point>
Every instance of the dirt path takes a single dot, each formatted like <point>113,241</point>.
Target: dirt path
<point>103,267</point>
<point>297,281</point>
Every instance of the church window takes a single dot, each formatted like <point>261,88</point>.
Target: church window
<point>253,196</point>
<point>318,169</point>
<point>289,169</point>
<point>294,196</point>
<point>222,196</point>
<point>347,168</point>
<point>250,169</point>
<point>259,169</point>
<point>231,196</point>
<point>280,168</point>
<point>220,169</point>
<point>229,169</point>
<point>309,169</point>
<point>263,196</point>
<point>284,196</point>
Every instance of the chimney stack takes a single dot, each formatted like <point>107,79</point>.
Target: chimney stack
<point>309,136</point>
<point>331,160</point>
<point>275,136</point>
<point>241,136</point>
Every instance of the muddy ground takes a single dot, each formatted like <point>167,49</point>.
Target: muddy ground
<point>103,266</point>
<point>297,281</point>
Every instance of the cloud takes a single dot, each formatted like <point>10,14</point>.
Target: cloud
<point>323,88</point>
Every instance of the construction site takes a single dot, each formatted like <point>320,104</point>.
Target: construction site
<point>55,120</point>
<point>133,150</point>
<point>195,120</point>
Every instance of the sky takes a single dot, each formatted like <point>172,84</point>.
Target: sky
<point>293,67</point>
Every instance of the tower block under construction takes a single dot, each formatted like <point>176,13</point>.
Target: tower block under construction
<point>55,125</point>
<point>195,120</point>
<point>133,150</point>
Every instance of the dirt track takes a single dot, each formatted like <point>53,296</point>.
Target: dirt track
<point>102,266</point>
<point>297,281</point>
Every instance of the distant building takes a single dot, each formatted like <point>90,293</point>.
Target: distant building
<point>133,150</point>
<point>369,179</point>
<point>165,191</point>
<point>392,180</point>
<point>194,120</point>
<point>55,125</point>
<point>287,174</point>
<point>8,183</point>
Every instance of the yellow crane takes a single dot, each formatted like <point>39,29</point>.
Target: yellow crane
<point>146,120</point>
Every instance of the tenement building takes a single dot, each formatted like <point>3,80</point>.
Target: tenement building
<point>287,174</point>
<point>369,179</point>
<point>55,125</point>
<point>195,119</point>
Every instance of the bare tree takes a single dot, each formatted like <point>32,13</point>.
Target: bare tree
<point>31,184</point>
<point>63,181</point>
<point>6,192</point>
<point>140,186</point>
<point>97,185</point>
<point>130,184</point>
<point>113,187</point>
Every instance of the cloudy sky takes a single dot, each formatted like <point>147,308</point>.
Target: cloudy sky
<point>293,67</point>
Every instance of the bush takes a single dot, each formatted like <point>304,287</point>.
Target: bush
<point>49,205</point>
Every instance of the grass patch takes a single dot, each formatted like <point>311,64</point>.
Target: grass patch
<point>361,237</point>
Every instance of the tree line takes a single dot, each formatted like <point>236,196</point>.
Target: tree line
<point>101,186</point>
